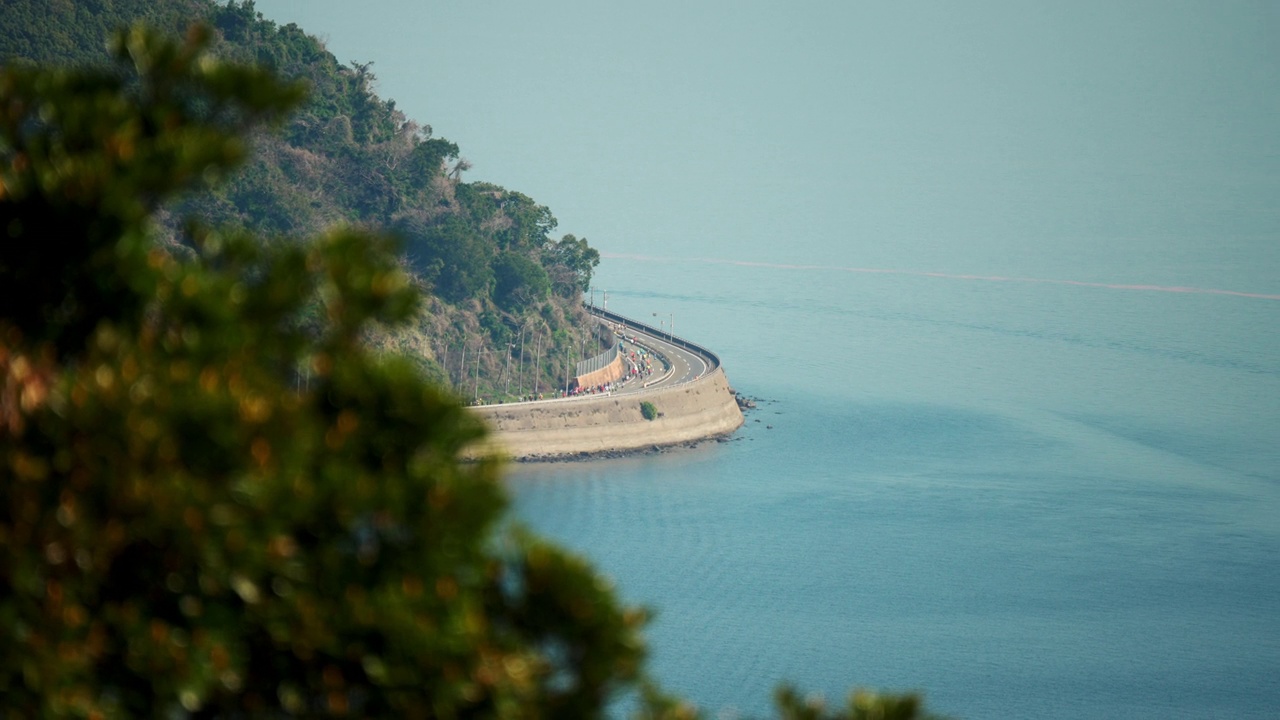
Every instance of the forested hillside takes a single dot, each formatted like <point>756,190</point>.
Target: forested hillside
<point>504,291</point>
<point>219,495</point>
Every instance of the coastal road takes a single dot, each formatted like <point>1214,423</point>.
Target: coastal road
<point>686,366</point>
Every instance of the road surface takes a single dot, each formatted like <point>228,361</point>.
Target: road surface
<point>685,366</point>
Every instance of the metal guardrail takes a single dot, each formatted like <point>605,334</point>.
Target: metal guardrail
<point>713,360</point>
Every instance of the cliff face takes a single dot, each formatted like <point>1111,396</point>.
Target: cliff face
<point>698,410</point>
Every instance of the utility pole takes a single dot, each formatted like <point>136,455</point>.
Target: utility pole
<point>477,398</point>
<point>506,372</point>
<point>671,326</point>
<point>462,369</point>
<point>537,366</point>
<point>444,362</point>
<point>520,367</point>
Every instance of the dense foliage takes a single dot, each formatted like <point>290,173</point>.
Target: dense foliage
<point>66,32</point>
<point>345,156</point>
<point>215,498</point>
<point>649,410</point>
<point>185,526</point>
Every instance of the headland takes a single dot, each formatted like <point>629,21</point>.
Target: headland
<point>695,402</point>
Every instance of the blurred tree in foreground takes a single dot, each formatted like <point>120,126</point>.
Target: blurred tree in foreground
<point>213,500</point>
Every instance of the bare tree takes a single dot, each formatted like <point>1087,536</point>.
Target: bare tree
<point>459,167</point>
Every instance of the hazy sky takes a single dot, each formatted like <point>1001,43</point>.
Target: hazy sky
<point>989,136</point>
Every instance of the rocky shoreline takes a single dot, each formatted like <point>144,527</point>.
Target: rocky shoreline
<point>586,456</point>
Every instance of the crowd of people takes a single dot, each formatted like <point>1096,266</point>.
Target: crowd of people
<point>640,365</point>
<point>639,362</point>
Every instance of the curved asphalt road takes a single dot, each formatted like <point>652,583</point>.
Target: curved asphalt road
<point>686,366</point>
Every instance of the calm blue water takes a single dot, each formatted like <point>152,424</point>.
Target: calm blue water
<point>1025,499</point>
<point>1029,499</point>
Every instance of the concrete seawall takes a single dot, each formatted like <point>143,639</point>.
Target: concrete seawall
<point>697,410</point>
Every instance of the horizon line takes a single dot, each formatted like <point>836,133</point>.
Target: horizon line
<point>1184,289</point>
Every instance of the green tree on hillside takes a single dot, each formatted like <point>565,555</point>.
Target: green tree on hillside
<point>574,262</point>
<point>214,499</point>
<point>449,254</point>
<point>344,156</point>
<point>211,505</point>
<point>70,32</point>
<point>520,282</point>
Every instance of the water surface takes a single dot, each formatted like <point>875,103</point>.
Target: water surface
<point>1026,499</point>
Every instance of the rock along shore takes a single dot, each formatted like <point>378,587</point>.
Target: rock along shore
<point>612,424</point>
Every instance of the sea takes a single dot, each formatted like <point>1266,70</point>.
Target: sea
<point>1035,491</point>
<point>1005,279</point>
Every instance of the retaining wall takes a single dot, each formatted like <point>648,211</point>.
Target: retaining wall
<point>697,410</point>
<point>615,370</point>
